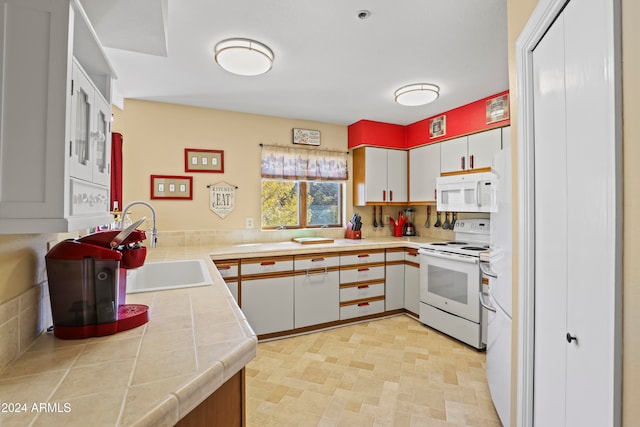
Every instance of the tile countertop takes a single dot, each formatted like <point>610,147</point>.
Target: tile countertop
<point>196,339</point>
<point>252,250</point>
<point>153,375</point>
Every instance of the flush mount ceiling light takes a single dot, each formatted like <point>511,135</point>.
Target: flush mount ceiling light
<point>417,94</point>
<point>244,57</point>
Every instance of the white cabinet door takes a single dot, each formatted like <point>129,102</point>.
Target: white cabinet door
<point>268,304</point>
<point>397,176</point>
<point>317,298</point>
<point>453,155</point>
<point>375,174</point>
<point>102,141</point>
<point>412,288</point>
<point>90,117</point>
<point>482,147</point>
<point>82,106</point>
<point>424,169</point>
<point>385,178</point>
<point>394,287</point>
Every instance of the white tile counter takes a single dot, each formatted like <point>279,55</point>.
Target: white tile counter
<point>196,339</point>
<point>153,375</point>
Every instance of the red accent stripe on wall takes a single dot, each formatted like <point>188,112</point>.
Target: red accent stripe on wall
<point>470,118</point>
<point>464,120</point>
<point>368,132</point>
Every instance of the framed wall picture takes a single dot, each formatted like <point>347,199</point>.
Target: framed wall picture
<point>498,109</point>
<point>438,126</point>
<point>306,136</point>
<point>171,187</point>
<point>199,160</point>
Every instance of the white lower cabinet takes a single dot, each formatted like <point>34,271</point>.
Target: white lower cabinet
<point>412,281</point>
<point>317,298</point>
<point>394,279</point>
<point>229,270</point>
<point>268,303</point>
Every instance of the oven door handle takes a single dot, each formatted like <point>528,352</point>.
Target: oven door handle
<point>484,304</point>
<point>485,267</point>
<point>451,257</point>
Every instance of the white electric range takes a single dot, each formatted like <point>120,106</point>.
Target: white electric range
<point>451,280</point>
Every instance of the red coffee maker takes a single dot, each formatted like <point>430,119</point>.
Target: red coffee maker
<point>87,283</point>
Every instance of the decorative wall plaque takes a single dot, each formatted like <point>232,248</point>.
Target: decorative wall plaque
<point>222,198</point>
<point>498,109</point>
<point>438,126</point>
<point>306,136</point>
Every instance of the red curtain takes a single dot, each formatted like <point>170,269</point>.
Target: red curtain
<point>116,170</point>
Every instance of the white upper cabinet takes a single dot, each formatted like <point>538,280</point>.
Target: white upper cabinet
<point>55,113</point>
<point>424,169</point>
<point>469,153</point>
<point>380,176</point>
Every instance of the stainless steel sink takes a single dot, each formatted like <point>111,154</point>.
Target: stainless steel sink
<point>158,276</point>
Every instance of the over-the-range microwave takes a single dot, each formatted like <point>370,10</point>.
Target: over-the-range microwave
<point>473,192</point>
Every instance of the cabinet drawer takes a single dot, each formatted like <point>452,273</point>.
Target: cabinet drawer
<point>266,265</point>
<point>351,293</point>
<point>361,273</point>
<point>394,255</point>
<point>361,257</point>
<point>361,309</point>
<point>313,261</point>
<point>411,255</point>
<point>227,268</point>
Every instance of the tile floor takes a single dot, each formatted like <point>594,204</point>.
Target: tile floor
<point>388,372</point>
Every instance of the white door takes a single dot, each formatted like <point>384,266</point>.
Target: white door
<point>576,382</point>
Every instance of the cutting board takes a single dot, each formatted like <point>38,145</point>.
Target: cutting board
<point>311,240</point>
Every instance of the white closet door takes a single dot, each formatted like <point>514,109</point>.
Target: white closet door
<point>591,196</point>
<point>550,229</point>
<point>576,382</point>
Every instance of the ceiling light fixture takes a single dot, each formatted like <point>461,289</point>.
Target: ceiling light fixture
<point>417,94</point>
<point>244,57</point>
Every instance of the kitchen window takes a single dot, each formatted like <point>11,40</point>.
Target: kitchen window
<point>301,204</point>
<point>302,188</point>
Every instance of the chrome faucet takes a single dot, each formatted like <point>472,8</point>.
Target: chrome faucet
<point>154,232</point>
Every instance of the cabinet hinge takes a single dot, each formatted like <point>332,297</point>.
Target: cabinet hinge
<point>71,87</point>
<point>70,149</point>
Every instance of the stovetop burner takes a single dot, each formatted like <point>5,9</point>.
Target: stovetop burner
<point>457,243</point>
<point>474,248</point>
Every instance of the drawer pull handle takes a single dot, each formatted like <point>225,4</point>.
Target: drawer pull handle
<point>362,269</point>
<point>267,263</point>
<point>412,254</point>
<point>363,256</point>
<point>224,267</point>
<point>363,304</point>
<point>317,260</point>
<point>325,272</point>
<point>363,287</point>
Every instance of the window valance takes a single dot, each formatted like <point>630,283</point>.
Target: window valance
<point>280,162</point>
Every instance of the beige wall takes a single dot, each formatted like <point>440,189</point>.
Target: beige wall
<point>519,12</point>
<point>156,134</point>
<point>631,212</point>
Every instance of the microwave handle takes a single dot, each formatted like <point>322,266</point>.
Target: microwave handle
<point>478,183</point>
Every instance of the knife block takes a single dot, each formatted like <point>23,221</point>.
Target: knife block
<point>350,233</point>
